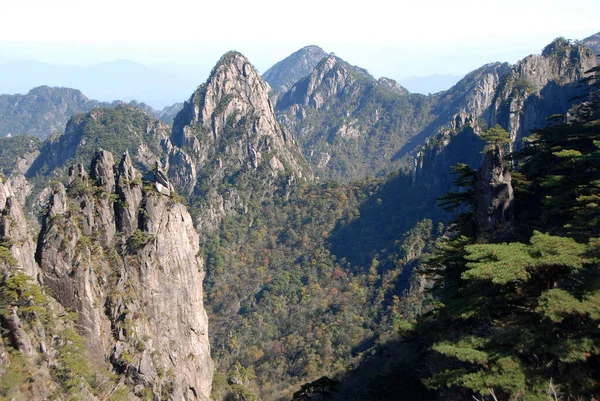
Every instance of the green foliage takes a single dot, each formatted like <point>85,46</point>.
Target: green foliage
<point>73,370</point>
<point>496,136</point>
<point>138,240</point>
<point>6,257</point>
<point>16,375</point>
<point>114,129</point>
<point>518,318</point>
<point>11,149</point>
<point>504,263</point>
<point>299,310</point>
<point>19,291</point>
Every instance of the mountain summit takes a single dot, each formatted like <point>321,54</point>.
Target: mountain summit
<point>230,148</point>
<point>283,75</point>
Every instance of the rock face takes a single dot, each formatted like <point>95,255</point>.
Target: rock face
<point>227,134</point>
<point>283,75</point>
<point>519,98</point>
<point>14,230</point>
<point>593,42</point>
<point>539,86</point>
<point>126,259</point>
<point>349,124</point>
<point>493,196</point>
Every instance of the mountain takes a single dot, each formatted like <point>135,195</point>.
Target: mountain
<point>42,111</point>
<point>229,148</point>
<point>540,86</point>
<point>119,79</point>
<point>283,75</point>
<point>169,113</point>
<point>123,259</point>
<point>349,124</point>
<point>119,129</point>
<point>593,42</point>
<point>430,83</point>
<point>45,110</point>
<point>304,279</point>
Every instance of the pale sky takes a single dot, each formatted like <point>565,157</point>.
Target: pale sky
<point>389,38</point>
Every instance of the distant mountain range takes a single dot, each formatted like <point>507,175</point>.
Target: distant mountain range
<point>45,110</point>
<point>162,85</point>
<point>121,79</point>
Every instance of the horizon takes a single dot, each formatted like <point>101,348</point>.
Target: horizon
<point>397,41</point>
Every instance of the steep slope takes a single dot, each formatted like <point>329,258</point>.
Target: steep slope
<point>542,85</point>
<point>115,129</point>
<point>41,112</point>
<point>44,111</point>
<point>349,124</point>
<point>34,327</point>
<point>125,258</point>
<point>593,42</point>
<point>518,98</point>
<point>14,232</point>
<point>228,150</point>
<point>283,75</point>
<point>168,114</point>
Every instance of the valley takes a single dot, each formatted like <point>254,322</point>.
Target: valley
<point>282,236</point>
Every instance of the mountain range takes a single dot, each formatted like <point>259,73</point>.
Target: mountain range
<point>278,236</point>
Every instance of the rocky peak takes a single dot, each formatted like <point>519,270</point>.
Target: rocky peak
<point>126,169</point>
<point>161,182</point>
<point>234,89</point>
<point>494,195</point>
<point>330,78</point>
<point>14,232</point>
<point>283,75</point>
<point>541,85</point>
<point>103,165</point>
<point>593,42</point>
<point>126,259</point>
<point>228,129</point>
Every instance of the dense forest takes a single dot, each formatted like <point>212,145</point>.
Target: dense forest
<point>462,264</point>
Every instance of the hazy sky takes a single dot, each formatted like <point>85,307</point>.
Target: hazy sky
<point>391,38</point>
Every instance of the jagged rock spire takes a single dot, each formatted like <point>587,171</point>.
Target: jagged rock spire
<point>140,287</point>
<point>103,165</point>
<point>161,182</point>
<point>494,196</point>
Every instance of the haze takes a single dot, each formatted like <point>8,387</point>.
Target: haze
<point>182,40</point>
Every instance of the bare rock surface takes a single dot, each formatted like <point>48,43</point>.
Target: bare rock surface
<point>126,258</point>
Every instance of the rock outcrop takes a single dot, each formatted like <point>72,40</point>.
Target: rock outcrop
<point>227,134</point>
<point>541,85</point>
<point>494,196</point>
<point>593,42</point>
<point>14,231</point>
<point>126,258</point>
<point>349,124</point>
<point>283,75</point>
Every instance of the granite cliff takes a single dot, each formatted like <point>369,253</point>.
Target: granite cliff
<point>227,147</point>
<point>125,259</point>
